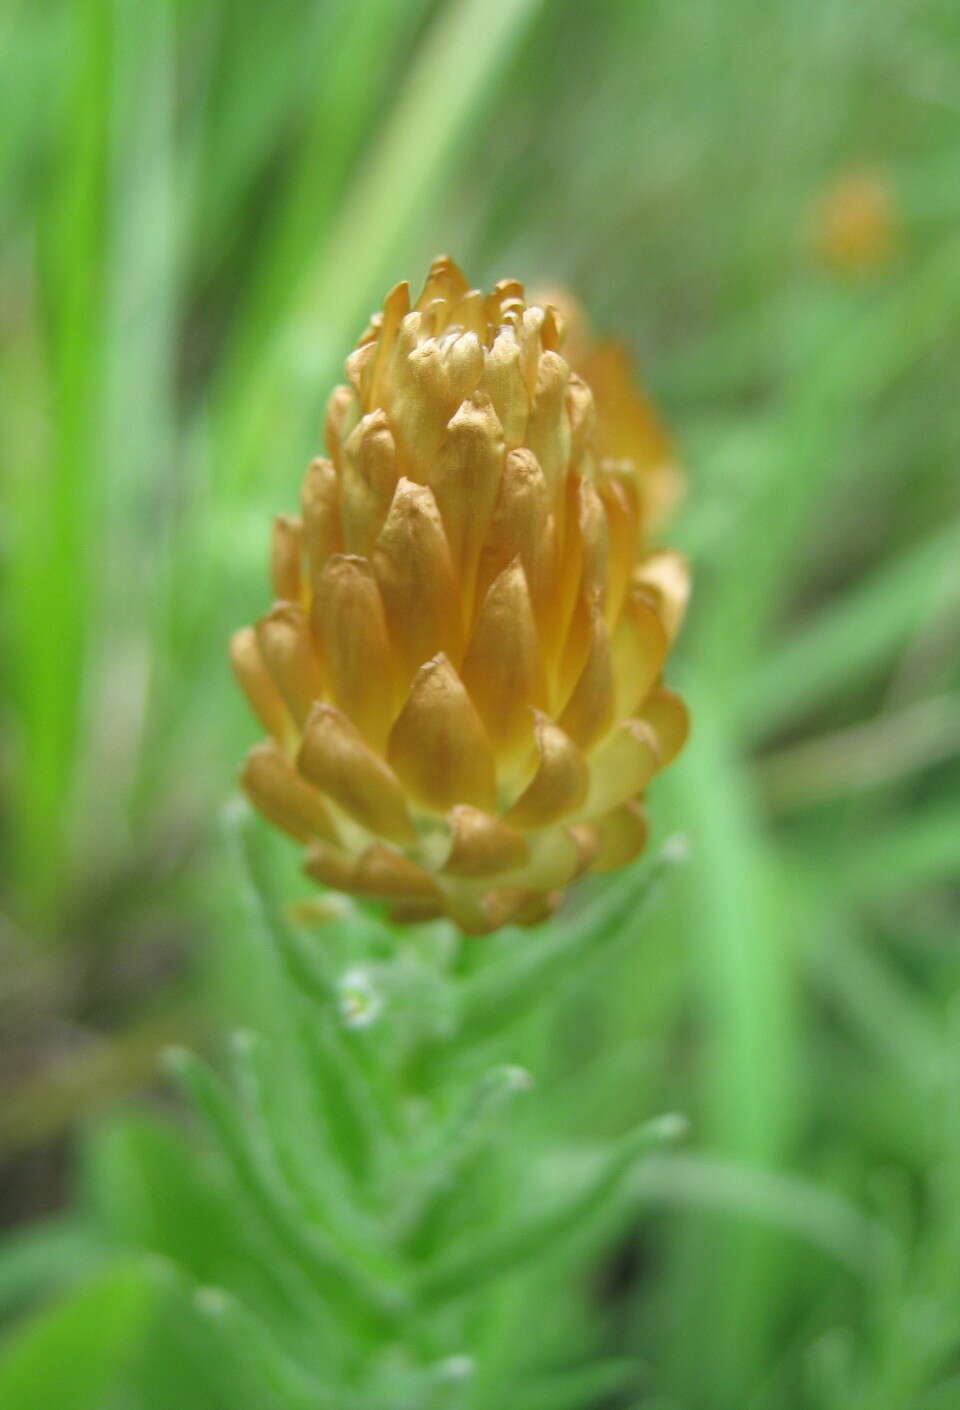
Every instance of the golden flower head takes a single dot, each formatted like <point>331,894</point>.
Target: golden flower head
<point>461,675</point>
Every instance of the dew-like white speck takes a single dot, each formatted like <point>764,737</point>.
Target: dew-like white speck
<point>360,1001</point>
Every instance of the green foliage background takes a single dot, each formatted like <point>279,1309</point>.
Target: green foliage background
<point>200,205</point>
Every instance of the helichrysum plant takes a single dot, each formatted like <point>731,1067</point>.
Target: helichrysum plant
<point>461,675</point>
<point>461,686</point>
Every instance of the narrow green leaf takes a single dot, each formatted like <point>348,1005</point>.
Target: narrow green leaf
<point>360,1300</point>
<point>471,1132</point>
<point>348,1081</point>
<point>791,1203</point>
<point>250,1344</point>
<point>491,1256</point>
<point>326,1191</point>
<point>307,968</point>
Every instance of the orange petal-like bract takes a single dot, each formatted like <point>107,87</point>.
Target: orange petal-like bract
<point>461,676</point>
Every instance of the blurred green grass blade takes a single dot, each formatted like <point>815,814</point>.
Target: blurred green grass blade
<point>741,926</point>
<point>886,749</point>
<point>945,1396</point>
<point>257,66</point>
<point>141,291</point>
<point>39,1258</point>
<point>852,637</point>
<point>879,1004</point>
<point>463,53</point>
<point>571,1390</point>
<point>52,587</point>
<point>843,366</point>
<point>142,307</point>
<point>35,33</point>
<point>365,39</point>
<point>744,966</point>
<point>458,1271</point>
<point>922,848</point>
<point>790,1203</point>
<point>72,1356</point>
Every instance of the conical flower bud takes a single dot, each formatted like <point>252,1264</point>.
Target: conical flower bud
<point>461,674</point>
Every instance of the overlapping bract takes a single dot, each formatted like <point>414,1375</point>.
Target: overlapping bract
<point>461,675</point>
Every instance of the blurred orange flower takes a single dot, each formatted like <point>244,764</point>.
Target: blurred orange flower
<point>855,222</point>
